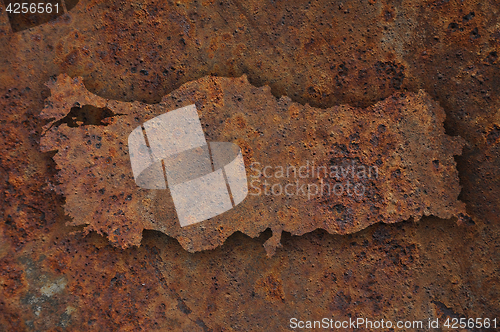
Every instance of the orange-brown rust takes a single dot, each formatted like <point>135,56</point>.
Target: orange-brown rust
<point>322,53</point>
<point>350,167</point>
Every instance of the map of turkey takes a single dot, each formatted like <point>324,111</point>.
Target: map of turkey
<point>340,169</point>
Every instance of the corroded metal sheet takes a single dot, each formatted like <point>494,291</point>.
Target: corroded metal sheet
<point>324,53</point>
<point>340,169</point>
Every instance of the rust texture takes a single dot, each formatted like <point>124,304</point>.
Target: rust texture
<point>343,168</point>
<point>321,53</point>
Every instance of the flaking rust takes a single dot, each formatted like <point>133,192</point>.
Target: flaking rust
<point>393,161</point>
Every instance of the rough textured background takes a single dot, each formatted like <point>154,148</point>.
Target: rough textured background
<point>401,160</point>
<point>318,52</point>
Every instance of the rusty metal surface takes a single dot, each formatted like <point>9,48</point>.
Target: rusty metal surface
<point>343,168</point>
<point>322,53</point>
